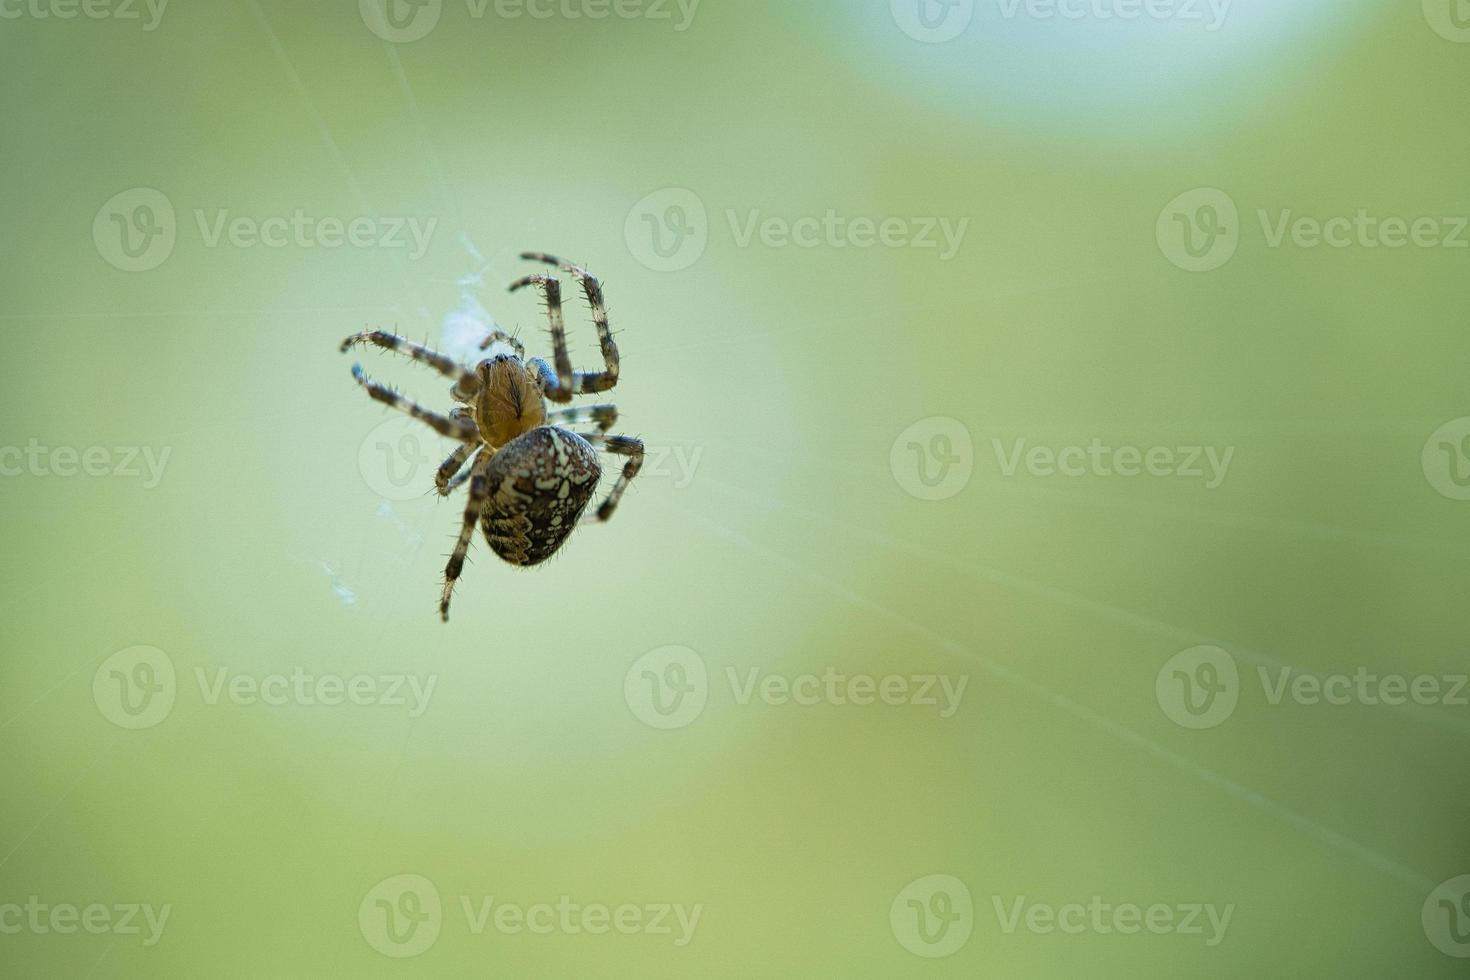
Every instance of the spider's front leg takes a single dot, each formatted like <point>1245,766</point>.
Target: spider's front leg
<point>619,446</point>
<point>464,380</point>
<point>479,496</point>
<point>453,428</point>
<point>604,380</point>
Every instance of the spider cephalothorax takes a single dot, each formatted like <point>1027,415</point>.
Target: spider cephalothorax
<point>530,474</point>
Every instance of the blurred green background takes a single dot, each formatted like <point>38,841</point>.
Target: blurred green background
<point>831,413</point>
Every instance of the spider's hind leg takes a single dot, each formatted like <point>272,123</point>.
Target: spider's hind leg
<point>445,480</point>
<point>479,494</point>
<point>605,416</point>
<point>619,446</point>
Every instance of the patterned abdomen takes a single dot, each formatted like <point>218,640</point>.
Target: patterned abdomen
<point>540,482</point>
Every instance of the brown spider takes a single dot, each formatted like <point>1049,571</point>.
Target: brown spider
<point>530,476</point>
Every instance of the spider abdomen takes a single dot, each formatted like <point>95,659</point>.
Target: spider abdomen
<point>540,482</point>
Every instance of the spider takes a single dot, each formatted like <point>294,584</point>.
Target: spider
<point>530,475</point>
